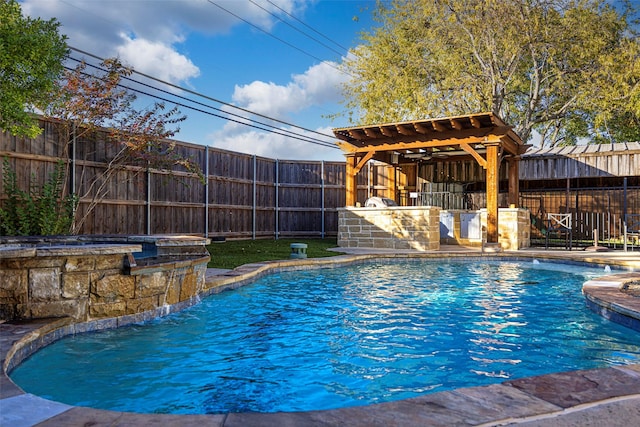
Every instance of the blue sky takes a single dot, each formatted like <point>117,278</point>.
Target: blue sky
<point>233,51</point>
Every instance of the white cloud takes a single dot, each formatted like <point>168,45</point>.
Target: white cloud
<point>152,28</point>
<point>235,137</point>
<point>157,59</point>
<point>318,85</point>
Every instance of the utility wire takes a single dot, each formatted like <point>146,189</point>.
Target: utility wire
<point>192,92</point>
<point>278,38</point>
<point>308,26</point>
<point>294,27</point>
<point>207,112</point>
<point>242,119</point>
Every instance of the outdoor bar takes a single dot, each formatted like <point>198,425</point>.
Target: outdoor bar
<point>408,148</point>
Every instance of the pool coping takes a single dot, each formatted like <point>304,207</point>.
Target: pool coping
<point>542,399</point>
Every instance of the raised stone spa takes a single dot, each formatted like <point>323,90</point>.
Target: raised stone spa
<point>97,277</point>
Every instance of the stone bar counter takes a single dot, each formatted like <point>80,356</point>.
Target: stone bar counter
<point>398,227</point>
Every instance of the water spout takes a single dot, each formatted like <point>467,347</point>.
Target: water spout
<point>607,269</point>
<point>535,261</point>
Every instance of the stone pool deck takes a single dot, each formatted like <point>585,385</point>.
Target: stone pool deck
<point>608,396</point>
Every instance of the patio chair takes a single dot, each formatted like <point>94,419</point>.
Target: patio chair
<point>559,225</point>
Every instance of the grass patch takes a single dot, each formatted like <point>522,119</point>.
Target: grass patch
<point>235,253</point>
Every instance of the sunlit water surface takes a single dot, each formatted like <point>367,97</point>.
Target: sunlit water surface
<point>339,337</point>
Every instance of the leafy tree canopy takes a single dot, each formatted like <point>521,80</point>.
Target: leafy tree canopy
<point>567,69</point>
<point>92,100</point>
<point>31,55</point>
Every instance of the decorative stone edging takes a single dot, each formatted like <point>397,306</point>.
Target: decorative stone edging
<point>605,296</point>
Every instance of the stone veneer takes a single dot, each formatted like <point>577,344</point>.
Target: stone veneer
<point>97,281</point>
<point>390,227</point>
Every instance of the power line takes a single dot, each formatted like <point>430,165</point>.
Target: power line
<point>242,119</point>
<point>278,38</point>
<point>308,26</point>
<point>292,26</point>
<point>192,92</point>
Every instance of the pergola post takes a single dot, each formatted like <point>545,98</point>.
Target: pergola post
<point>493,169</point>
<point>514,180</point>
<point>392,185</point>
<point>351,182</point>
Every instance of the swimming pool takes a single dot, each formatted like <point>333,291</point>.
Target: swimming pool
<point>339,337</point>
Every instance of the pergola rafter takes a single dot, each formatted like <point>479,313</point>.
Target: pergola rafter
<point>484,137</point>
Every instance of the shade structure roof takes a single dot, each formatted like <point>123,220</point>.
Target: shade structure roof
<point>483,136</point>
<point>424,139</point>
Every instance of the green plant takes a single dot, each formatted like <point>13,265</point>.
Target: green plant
<point>38,211</point>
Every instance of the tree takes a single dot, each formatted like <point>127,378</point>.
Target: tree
<point>567,69</point>
<point>90,103</point>
<point>31,55</point>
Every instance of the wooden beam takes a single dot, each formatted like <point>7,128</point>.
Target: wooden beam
<point>386,131</point>
<point>402,130</point>
<point>510,146</point>
<point>439,127</point>
<point>357,134</point>
<point>471,136</point>
<point>475,122</point>
<point>371,133</point>
<point>420,128</point>
<point>405,143</point>
<point>363,161</point>
<point>456,124</point>
<point>393,184</point>
<point>466,147</point>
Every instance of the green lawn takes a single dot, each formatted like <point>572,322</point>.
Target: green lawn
<point>231,254</point>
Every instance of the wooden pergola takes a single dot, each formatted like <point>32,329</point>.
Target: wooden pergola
<point>484,137</point>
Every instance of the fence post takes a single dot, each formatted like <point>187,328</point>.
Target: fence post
<point>276,208</point>
<point>624,199</point>
<point>148,201</point>
<point>206,191</point>
<point>73,160</point>
<point>253,221</point>
<point>624,228</point>
<point>322,195</point>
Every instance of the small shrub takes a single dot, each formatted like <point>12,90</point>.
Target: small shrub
<point>37,211</point>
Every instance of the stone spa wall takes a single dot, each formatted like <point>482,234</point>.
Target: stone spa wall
<point>88,281</point>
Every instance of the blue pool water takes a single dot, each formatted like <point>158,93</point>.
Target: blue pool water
<point>331,338</point>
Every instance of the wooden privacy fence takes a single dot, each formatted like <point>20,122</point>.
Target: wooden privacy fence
<point>246,196</point>
<point>243,196</point>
